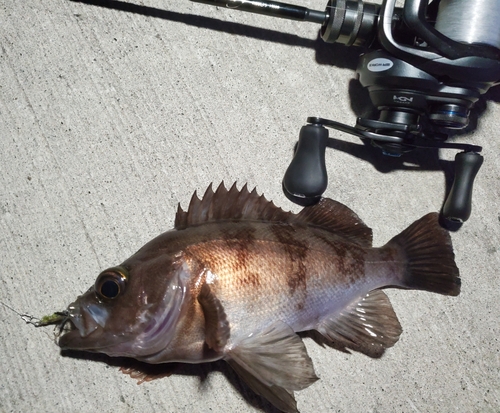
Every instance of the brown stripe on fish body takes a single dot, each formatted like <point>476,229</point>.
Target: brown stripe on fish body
<point>347,260</point>
<point>250,278</point>
<point>229,248</point>
<point>296,250</point>
<point>239,238</point>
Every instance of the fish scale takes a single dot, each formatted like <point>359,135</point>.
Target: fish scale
<point>283,286</point>
<point>238,277</point>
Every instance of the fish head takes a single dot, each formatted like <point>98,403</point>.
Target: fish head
<point>131,310</point>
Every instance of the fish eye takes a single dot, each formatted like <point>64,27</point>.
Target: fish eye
<point>110,283</point>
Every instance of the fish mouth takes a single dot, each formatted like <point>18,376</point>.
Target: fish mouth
<point>97,341</point>
<point>74,337</point>
<point>83,329</point>
<point>86,327</point>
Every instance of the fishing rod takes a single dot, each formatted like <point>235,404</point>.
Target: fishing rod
<point>427,65</point>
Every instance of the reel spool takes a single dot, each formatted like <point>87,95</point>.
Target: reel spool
<point>470,21</point>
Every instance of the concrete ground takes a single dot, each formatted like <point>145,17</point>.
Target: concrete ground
<point>113,112</point>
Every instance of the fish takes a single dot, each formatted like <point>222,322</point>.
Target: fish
<point>238,278</point>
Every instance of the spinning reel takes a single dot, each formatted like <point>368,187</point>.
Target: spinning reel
<point>427,65</point>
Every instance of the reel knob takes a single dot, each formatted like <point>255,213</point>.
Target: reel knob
<point>457,207</point>
<point>306,178</point>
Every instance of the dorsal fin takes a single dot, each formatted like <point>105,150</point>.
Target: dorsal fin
<point>243,205</point>
<point>335,217</point>
<point>224,205</point>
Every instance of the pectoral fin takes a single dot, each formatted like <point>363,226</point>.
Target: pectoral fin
<point>216,324</point>
<point>274,363</point>
<point>278,396</point>
<point>368,326</point>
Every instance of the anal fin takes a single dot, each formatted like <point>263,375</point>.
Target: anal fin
<point>216,325</point>
<point>368,326</point>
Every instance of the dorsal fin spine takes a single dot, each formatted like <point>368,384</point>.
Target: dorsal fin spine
<point>245,205</point>
<point>234,204</point>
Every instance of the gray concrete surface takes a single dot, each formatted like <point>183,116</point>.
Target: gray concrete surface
<point>110,115</point>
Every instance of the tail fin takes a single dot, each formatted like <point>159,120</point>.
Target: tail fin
<point>429,255</point>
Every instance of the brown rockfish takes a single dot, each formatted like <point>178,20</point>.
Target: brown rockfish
<point>238,278</point>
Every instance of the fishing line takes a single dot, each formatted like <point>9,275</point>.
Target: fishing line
<point>472,21</point>
<point>27,318</point>
<point>59,321</point>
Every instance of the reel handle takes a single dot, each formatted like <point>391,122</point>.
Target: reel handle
<point>306,178</point>
<point>458,205</point>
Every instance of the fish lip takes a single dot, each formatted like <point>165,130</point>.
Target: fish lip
<point>71,339</point>
<point>84,329</point>
<point>71,336</point>
<point>80,331</point>
<point>67,338</point>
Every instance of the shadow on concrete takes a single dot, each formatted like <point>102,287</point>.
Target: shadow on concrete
<point>144,372</point>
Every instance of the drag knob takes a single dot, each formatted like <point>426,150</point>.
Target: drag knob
<point>458,207</point>
<point>306,179</point>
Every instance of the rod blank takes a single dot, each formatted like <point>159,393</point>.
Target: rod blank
<point>271,8</point>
